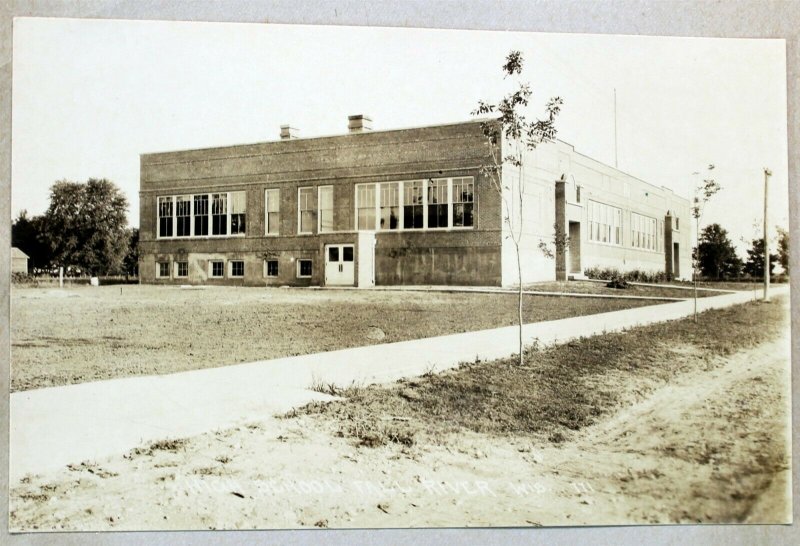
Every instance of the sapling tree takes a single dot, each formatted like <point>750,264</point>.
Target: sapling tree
<point>512,126</point>
<point>703,192</point>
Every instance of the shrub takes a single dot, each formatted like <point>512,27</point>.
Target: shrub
<point>633,275</point>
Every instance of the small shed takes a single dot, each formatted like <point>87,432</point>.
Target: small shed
<point>19,261</point>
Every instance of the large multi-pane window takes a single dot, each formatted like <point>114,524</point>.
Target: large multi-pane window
<point>643,232</point>
<point>325,209</point>
<point>604,223</point>
<point>365,203</point>
<point>190,215</point>
<point>183,216</point>
<point>437,203</point>
<point>416,204</point>
<point>462,202</point>
<point>413,205</point>
<point>219,213</point>
<point>238,215</point>
<point>389,205</point>
<point>165,216</point>
<point>305,210</point>
<point>272,207</point>
<point>200,215</point>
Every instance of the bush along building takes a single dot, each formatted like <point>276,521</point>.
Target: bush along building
<point>407,206</point>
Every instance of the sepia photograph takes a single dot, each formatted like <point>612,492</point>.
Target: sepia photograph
<point>272,276</point>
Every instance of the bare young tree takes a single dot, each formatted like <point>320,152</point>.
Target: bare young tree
<point>520,134</point>
<point>703,191</point>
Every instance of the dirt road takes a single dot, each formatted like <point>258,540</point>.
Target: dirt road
<point>711,446</point>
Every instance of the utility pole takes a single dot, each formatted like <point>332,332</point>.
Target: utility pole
<point>696,256</point>
<point>616,162</point>
<point>767,174</point>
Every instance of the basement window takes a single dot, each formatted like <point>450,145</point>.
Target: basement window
<point>304,268</point>
<point>217,269</point>
<point>162,270</point>
<point>270,268</point>
<point>181,269</point>
<point>237,268</point>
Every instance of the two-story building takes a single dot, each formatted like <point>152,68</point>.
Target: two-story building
<point>406,206</point>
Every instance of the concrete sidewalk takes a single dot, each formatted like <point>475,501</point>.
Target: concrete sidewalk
<point>55,426</point>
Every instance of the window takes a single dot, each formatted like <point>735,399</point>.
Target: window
<point>219,213</point>
<point>217,269</point>
<point>181,269</point>
<point>272,207</point>
<point>162,270</point>
<point>347,254</point>
<point>200,215</point>
<point>440,203</point>
<point>237,268</point>
<point>389,205</point>
<point>412,205</point>
<point>325,208</point>
<point>183,216</point>
<point>305,198</point>
<point>165,216</point>
<point>238,206</point>
<point>643,232</point>
<point>605,223</point>
<point>304,268</point>
<point>678,224</point>
<point>437,203</point>
<point>270,268</point>
<point>462,202</point>
<point>365,202</point>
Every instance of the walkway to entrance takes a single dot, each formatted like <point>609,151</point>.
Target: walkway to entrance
<point>55,426</point>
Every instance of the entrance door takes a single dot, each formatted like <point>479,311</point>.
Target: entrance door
<point>339,265</point>
<point>575,247</point>
<point>676,260</point>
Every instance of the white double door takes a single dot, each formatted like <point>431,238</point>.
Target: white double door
<point>339,265</point>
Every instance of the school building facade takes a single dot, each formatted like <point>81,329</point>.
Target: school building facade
<point>409,206</point>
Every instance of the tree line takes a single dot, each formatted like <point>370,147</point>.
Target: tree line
<point>717,258</point>
<point>84,230</point>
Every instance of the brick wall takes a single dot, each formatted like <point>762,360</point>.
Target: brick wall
<point>448,256</point>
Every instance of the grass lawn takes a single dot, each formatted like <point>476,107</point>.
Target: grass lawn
<point>90,333</point>
<point>560,390</point>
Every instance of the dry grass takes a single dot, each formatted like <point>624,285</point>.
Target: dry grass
<point>561,390</point>
<point>85,334</point>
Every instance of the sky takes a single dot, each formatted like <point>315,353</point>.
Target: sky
<point>89,96</point>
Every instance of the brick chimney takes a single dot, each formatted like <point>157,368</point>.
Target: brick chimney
<point>359,123</point>
<point>288,132</point>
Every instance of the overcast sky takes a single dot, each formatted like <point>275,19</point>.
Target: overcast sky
<point>89,96</point>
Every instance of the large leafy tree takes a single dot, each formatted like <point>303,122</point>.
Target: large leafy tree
<point>26,234</point>
<point>754,266</point>
<point>512,123</point>
<point>85,225</point>
<point>131,262</point>
<point>717,257</point>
